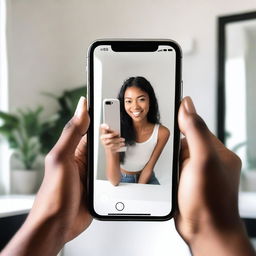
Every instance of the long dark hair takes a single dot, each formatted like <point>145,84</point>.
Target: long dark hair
<point>153,116</point>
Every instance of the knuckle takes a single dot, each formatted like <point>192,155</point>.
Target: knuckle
<point>236,160</point>
<point>75,124</point>
<point>68,124</point>
<point>54,157</point>
<point>107,141</point>
<point>196,121</point>
<point>208,160</point>
<point>51,158</point>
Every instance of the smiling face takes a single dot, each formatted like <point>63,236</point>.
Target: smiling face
<point>136,103</point>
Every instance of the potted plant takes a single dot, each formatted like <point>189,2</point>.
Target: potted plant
<point>29,137</point>
<point>53,126</point>
<point>22,130</point>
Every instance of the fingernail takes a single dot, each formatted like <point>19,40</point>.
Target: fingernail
<point>189,105</point>
<point>81,107</point>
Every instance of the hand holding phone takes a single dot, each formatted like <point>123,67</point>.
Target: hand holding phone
<point>111,117</point>
<point>111,139</point>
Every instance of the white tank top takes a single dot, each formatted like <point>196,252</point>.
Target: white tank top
<point>137,155</point>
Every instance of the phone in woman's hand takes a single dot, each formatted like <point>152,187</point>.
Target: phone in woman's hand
<point>134,86</point>
<point>111,117</point>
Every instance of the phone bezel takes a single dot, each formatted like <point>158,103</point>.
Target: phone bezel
<point>133,45</point>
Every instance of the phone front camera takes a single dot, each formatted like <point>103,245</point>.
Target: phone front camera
<point>109,102</point>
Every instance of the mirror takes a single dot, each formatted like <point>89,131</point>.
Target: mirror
<point>237,91</point>
<point>144,75</point>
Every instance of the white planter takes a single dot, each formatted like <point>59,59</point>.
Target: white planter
<point>24,181</point>
<point>248,180</point>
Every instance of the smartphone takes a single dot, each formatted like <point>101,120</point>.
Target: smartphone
<point>111,116</point>
<point>145,77</point>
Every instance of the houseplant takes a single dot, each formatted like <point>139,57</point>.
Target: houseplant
<point>22,130</point>
<point>29,137</point>
<point>53,126</point>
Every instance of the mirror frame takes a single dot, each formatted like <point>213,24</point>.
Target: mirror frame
<point>222,22</point>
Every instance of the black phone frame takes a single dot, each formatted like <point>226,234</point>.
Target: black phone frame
<point>133,45</point>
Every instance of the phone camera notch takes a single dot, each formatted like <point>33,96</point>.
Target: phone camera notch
<point>109,102</point>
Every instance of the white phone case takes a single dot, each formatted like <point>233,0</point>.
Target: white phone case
<point>111,116</point>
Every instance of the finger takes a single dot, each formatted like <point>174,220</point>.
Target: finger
<point>73,131</point>
<point>113,141</point>
<point>184,150</point>
<point>109,135</point>
<point>195,130</point>
<point>104,128</point>
<point>81,150</point>
<point>81,158</point>
<point>116,147</point>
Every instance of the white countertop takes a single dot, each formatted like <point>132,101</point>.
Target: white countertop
<point>11,205</point>
<point>247,205</point>
<point>20,204</point>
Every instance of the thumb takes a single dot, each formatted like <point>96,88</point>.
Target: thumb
<point>194,129</point>
<point>74,130</point>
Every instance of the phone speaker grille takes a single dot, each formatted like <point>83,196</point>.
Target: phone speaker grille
<point>131,214</point>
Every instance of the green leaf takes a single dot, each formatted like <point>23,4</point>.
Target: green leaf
<point>9,119</point>
<point>52,128</point>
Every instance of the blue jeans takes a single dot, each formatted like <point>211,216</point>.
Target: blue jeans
<point>134,178</point>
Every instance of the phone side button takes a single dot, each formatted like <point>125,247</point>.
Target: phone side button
<point>119,206</point>
<point>181,90</point>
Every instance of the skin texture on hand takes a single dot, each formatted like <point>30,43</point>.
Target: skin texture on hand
<point>67,160</point>
<point>59,212</point>
<point>208,218</point>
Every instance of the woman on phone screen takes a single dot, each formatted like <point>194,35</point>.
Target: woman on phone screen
<point>141,132</point>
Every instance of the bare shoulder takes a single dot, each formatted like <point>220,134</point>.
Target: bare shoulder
<point>163,133</point>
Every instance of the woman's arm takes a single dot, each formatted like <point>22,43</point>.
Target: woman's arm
<point>112,142</point>
<point>113,167</point>
<point>163,136</point>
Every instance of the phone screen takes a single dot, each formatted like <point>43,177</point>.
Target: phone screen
<point>133,167</point>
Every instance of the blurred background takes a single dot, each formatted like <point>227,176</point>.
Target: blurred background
<point>43,46</point>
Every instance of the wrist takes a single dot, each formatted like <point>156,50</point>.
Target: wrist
<point>109,152</point>
<point>145,176</point>
<point>221,241</point>
<point>44,233</point>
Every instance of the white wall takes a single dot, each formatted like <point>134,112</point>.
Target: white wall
<point>4,176</point>
<point>47,46</point>
<point>49,40</point>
